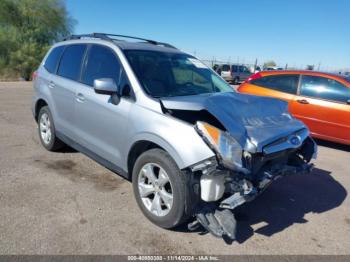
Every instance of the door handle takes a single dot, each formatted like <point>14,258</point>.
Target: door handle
<point>80,97</point>
<point>303,101</point>
<point>51,84</point>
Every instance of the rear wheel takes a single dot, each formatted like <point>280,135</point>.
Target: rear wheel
<point>161,189</point>
<point>46,128</point>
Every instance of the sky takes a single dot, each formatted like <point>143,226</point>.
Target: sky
<point>293,32</point>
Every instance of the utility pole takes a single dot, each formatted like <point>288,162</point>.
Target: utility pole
<point>256,64</point>
<point>319,66</point>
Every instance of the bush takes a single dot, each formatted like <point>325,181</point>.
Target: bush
<point>27,29</point>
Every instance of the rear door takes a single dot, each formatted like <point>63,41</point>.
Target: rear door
<point>63,88</point>
<point>282,86</point>
<point>322,106</point>
<point>101,124</point>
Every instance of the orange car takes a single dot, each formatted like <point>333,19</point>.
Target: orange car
<point>320,100</point>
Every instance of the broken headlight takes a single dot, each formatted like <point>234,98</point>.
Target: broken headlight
<point>228,150</point>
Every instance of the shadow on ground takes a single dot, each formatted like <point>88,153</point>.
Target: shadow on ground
<point>67,149</point>
<point>285,203</point>
<point>333,145</point>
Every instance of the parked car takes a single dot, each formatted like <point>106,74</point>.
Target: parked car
<point>254,69</point>
<point>192,147</point>
<point>320,100</point>
<point>234,73</point>
<point>273,68</point>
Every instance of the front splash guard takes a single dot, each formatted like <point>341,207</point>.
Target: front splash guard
<point>219,222</point>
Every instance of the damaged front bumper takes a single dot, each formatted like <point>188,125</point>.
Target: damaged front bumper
<point>222,190</point>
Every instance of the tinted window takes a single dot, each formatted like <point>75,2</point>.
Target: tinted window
<point>71,60</point>
<point>235,68</point>
<point>347,79</point>
<point>282,83</point>
<point>101,63</point>
<point>225,68</point>
<point>324,88</point>
<point>244,69</point>
<point>53,58</point>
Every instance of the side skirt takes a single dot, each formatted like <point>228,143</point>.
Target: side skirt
<point>102,161</point>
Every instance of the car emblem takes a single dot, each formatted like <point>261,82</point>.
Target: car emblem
<point>295,140</point>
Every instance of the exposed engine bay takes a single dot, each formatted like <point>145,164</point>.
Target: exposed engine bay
<point>252,149</point>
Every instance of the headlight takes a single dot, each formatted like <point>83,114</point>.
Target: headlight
<point>225,146</point>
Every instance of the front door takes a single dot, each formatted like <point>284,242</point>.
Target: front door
<point>322,106</point>
<point>101,124</point>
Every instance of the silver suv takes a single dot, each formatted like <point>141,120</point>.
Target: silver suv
<point>193,148</point>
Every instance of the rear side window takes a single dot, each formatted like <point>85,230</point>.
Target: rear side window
<point>101,63</point>
<point>225,68</point>
<point>283,83</point>
<point>243,69</point>
<point>53,58</point>
<point>70,65</point>
<point>324,88</point>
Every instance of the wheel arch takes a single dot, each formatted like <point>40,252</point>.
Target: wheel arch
<point>38,105</point>
<point>143,145</point>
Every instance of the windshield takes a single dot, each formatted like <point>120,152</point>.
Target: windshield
<point>168,74</point>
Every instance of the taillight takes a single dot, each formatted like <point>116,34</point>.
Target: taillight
<point>254,76</point>
<point>34,75</point>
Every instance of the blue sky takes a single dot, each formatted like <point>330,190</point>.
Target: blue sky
<point>295,32</point>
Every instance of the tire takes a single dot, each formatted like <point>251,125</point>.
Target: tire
<point>46,126</point>
<point>183,201</point>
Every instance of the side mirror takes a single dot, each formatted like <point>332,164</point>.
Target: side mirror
<point>105,86</point>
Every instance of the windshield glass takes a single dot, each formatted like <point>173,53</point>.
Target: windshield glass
<point>168,74</point>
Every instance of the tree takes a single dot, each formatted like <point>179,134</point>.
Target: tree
<point>270,63</point>
<point>27,29</point>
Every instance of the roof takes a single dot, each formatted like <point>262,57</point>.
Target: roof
<point>125,45</point>
<point>300,72</point>
<point>145,44</point>
<point>342,78</point>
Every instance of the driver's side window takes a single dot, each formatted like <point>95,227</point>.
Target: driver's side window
<point>324,88</point>
<point>101,63</point>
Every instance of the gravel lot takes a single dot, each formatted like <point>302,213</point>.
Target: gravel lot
<point>65,203</point>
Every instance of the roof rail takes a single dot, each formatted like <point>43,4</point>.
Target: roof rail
<point>108,37</point>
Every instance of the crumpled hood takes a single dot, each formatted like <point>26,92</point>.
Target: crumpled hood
<point>261,120</point>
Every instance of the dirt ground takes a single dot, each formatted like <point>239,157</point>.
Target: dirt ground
<point>65,203</point>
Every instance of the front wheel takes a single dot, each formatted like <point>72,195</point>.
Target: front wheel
<point>47,132</point>
<point>161,189</point>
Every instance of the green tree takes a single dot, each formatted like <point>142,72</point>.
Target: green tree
<point>27,29</point>
<point>270,63</point>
